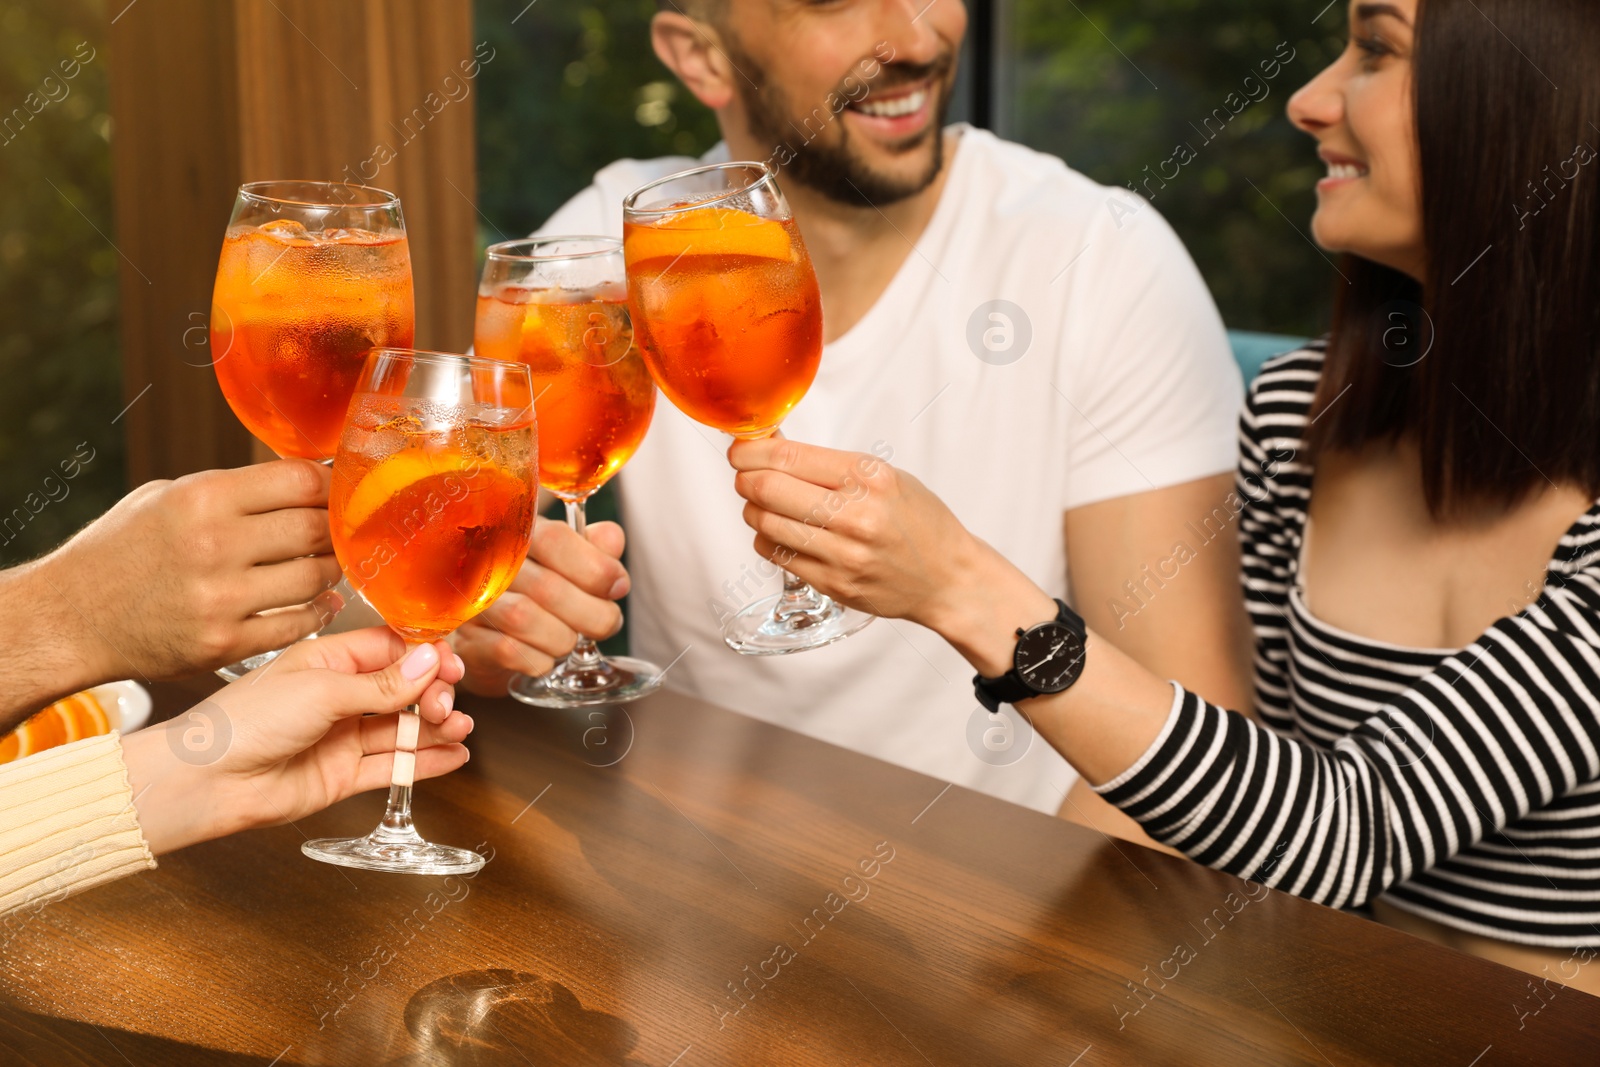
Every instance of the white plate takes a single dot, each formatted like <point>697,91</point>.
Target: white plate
<point>127,704</point>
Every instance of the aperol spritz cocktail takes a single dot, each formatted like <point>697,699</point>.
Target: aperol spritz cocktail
<point>431,509</point>
<point>431,513</point>
<point>313,276</point>
<point>726,308</point>
<point>728,314</point>
<point>593,393</point>
<point>559,305</point>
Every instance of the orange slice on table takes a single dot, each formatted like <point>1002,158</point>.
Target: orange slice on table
<point>65,721</point>
<point>708,231</point>
<point>87,717</point>
<point>53,726</point>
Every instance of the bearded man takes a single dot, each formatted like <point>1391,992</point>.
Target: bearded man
<point>1038,349</point>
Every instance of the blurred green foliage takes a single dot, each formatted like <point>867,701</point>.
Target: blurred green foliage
<point>1243,204</point>
<point>1110,86</point>
<point>60,381</point>
<point>573,86</point>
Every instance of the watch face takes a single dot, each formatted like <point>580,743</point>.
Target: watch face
<point>1049,657</point>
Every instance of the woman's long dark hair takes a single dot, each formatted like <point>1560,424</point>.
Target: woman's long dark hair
<point>1507,398</point>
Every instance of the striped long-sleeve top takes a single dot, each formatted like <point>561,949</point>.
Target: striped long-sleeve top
<point>1462,785</point>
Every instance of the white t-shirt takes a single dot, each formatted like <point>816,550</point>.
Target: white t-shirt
<point>1126,384</point>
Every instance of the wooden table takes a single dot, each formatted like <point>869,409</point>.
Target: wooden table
<point>676,885</point>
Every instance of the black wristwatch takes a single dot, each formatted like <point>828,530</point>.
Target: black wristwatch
<point>1048,659</point>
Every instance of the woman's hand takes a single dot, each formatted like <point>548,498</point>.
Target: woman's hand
<point>857,529</point>
<point>290,738</point>
<point>876,539</point>
<point>567,586</point>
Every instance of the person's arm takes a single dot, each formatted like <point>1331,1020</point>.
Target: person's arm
<point>68,825</point>
<point>1157,573</point>
<point>1164,594</point>
<point>312,728</point>
<point>178,577</point>
<point>1496,731</point>
<point>1416,783</point>
<point>1150,400</point>
<point>892,548</point>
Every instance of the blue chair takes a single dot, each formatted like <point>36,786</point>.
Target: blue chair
<point>1250,349</point>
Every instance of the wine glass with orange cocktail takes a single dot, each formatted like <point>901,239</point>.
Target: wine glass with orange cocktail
<point>312,277</point>
<point>431,510</point>
<point>559,305</point>
<point>726,309</point>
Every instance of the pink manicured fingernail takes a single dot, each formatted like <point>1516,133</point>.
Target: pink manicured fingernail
<point>619,589</point>
<point>447,700</point>
<point>419,662</point>
<point>461,665</point>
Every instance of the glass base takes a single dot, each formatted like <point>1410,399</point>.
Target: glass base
<point>615,680</point>
<point>760,629</point>
<point>234,671</point>
<point>395,853</point>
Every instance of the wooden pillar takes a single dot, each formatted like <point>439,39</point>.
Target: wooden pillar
<point>207,94</point>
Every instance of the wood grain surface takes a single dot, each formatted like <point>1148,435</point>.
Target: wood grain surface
<point>672,884</point>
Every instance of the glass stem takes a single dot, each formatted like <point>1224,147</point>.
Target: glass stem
<point>584,654</point>
<point>396,825</point>
<point>797,598</point>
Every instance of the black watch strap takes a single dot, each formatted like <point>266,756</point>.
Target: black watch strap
<point>1009,687</point>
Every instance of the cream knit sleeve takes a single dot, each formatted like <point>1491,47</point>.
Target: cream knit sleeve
<point>67,823</point>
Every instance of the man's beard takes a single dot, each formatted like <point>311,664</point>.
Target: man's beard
<point>831,169</point>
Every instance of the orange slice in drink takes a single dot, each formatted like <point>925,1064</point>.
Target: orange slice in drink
<point>708,231</point>
<point>391,477</point>
<point>409,466</point>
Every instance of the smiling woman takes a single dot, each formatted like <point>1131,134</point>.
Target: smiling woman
<point>1359,111</point>
<point>1426,739</point>
<point>1429,177</point>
